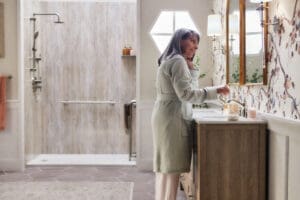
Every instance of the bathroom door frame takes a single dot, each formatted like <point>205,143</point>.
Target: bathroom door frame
<point>20,35</point>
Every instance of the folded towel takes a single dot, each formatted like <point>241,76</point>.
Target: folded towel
<point>127,113</point>
<point>2,102</point>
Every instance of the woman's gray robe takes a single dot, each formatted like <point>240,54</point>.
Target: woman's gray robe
<point>171,134</point>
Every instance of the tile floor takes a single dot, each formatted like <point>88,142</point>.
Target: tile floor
<point>143,181</point>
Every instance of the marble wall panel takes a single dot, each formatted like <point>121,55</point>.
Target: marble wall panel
<point>33,136</point>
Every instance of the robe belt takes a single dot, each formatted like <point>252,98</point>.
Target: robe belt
<point>165,97</point>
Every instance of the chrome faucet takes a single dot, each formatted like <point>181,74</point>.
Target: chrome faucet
<point>243,111</point>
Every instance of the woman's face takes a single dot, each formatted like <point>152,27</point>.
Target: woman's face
<point>189,46</point>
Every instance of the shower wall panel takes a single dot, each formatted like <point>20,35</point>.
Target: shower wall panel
<point>81,61</point>
<point>33,125</point>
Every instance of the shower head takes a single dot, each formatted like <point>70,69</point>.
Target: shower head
<point>58,21</point>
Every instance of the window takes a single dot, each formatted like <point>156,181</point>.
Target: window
<point>167,23</point>
<point>254,39</point>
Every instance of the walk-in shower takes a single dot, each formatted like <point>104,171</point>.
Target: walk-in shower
<point>35,71</point>
<point>79,116</point>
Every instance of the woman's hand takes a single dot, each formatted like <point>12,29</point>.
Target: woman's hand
<point>223,90</point>
<point>189,62</point>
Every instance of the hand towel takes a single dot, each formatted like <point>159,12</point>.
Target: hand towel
<point>2,102</point>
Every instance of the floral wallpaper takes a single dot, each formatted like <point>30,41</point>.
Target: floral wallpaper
<point>281,96</point>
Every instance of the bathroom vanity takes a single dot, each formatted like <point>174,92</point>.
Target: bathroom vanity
<point>229,160</point>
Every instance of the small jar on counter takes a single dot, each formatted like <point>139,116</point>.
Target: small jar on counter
<point>251,113</point>
<point>234,110</point>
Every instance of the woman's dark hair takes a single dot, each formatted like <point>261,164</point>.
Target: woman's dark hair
<point>197,35</point>
<point>174,47</point>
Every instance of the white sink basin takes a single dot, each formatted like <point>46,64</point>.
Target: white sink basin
<point>212,115</point>
<point>207,113</point>
<point>216,116</point>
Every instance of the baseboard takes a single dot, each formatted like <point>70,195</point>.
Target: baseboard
<point>11,165</point>
<point>144,164</point>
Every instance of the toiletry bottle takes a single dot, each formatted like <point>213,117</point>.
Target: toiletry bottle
<point>124,51</point>
<point>225,109</point>
<point>132,52</point>
<point>128,50</point>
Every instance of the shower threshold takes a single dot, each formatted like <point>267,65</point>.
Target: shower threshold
<point>81,159</point>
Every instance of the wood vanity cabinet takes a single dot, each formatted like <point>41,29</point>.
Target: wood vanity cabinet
<point>228,162</point>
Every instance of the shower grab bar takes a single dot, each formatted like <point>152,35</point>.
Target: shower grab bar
<point>87,102</point>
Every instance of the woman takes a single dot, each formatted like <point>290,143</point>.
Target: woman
<point>172,112</point>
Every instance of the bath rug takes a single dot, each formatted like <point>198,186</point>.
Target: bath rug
<point>85,190</point>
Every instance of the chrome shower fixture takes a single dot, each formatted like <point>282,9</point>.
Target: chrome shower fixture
<point>36,34</point>
<point>58,21</point>
<point>35,71</point>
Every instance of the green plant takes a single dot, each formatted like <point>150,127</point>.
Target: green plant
<point>235,76</point>
<point>235,65</point>
<point>255,78</point>
<point>202,75</point>
<point>196,63</point>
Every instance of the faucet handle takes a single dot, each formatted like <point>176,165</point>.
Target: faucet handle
<point>222,99</point>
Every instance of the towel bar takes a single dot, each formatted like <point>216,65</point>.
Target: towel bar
<point>8,76</point>
<point>87,102</point>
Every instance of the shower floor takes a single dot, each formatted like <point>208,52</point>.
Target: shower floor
<point>82,159</point>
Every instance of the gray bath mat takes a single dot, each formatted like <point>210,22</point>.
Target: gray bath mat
<point>86,190</point>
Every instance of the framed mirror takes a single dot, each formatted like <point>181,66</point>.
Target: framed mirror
<point>246,43</point>
<point>256,37</point>
<point>233,42</point>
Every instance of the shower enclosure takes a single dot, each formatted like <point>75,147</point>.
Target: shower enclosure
<point>79,109</point>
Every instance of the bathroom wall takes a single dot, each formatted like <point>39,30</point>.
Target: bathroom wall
<point>11,152</point>
<point>147,64</point>
<point>9,63</point>
<point>81,60</point>
<point>281,96</point>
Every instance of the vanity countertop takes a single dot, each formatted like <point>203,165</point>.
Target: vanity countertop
<point>215,116</point>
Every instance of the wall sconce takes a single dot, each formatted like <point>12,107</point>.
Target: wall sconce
<point>214,29</point>
<point>261,9</point>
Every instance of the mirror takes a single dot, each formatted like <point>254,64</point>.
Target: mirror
<point>254,45</point>
<point>233,41</point>
<point>246,42</point>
